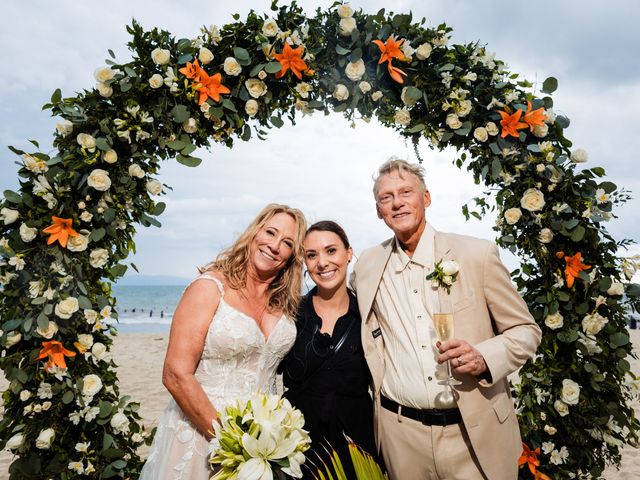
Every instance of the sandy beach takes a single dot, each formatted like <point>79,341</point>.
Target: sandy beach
<point>140,356</point>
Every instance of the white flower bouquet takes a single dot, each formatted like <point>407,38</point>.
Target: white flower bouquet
<point>259,439</point>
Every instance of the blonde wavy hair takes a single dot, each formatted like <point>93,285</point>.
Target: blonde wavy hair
<point>284,292</point>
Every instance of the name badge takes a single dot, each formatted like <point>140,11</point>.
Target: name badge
<point>376,333</point>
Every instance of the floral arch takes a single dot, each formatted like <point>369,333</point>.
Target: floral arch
<point>71,224</point>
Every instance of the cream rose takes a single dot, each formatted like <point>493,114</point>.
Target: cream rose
<point>86,141</point>
<point>615,289</point>
<point>67,307</point>
<point>48,332</point>
<point>156,80</point>
<point>136,171</point>
<point>345,10</point>
<point>99,350</point>
<point>98,257</point>
<point>45,439</point>
<point>406,99</point>
<point>424,51</point>
<point>341,92</point>
<point>232,67</point>
<point>120,422</point>
<point>9,215</point>
<point>453,122</point>
<point>481,134</point>
<point>377,95</point>
<point>364,87</point>
<point>85,340</point>
<point>99,179</point>
<point>91,384</point>
<point>27,233</point>
<point>402,117</point>
<point>593,323</point>
<point>579,155</point>
<point>79,243</point>
<point>12,338</point>
<point>251,107</point>
<point>550,430</point>
<point>561,407</point>
<point>190,125</point>
<point>205,55</point>
<point>347,25</point>
<point>64,128</point>
<point>545,235</point>
<point>103,74</point>
<point>532,200</point>
<point>554,321</point>
<point>541,131</point>
<point>255,87</point>
<point>154,187</point>
<point>492,129</point>
<point>270,28</point>
<point>513,215</point>
<point>105,90</point>
<point>25,395</point>
<point>160,56</point>
<point>15,442</point>
<point>355,70</point>
<point>450,267</point>
<point>110,156</point>
<point>570,392</point>
<point>86,216</point>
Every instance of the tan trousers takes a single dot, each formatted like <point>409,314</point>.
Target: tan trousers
<point>413,451</point>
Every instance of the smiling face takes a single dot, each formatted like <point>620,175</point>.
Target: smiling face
<point>327,259</point>
<point>401,202</point>
<point>273,245</point>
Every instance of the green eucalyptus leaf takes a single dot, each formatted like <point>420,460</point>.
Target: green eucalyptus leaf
<point>67,398</point>
<point>241,53</point>
<point>273,67</point>
<point>550,85</point>
<point>12,197</point>
<point>97,234</point>
<point>180,113</point>
<point>188,161</point>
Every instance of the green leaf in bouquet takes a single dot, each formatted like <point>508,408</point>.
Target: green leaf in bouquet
<point>550,85</point>
<point>273,67</point>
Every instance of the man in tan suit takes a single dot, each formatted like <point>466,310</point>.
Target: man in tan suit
<point>422,432</point>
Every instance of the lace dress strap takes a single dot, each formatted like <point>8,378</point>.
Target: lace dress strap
<point>209,276</point>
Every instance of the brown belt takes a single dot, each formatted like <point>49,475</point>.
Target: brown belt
<point>436,416</point>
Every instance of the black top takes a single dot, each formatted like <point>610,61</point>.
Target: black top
<point>327,378</point>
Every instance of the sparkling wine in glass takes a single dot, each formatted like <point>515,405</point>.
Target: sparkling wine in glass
<point>443,323</point>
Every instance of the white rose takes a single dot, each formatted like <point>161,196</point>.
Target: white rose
<point>45,439</point>
<point>15,442</point>
<point>424,51</point>
<point>86,216</point>
<point>105,90</point>
<point>255,87</point>
<point>85,340</point>
<point>492,129</point>
<point>86,141</point>
<point>592,324</point>
<point>12,338</point>
<point>99,179</point>
<point>345,10</point>
<point>347,25</point>
<point>545,235</point>
<point>205,55</point>
<point>447,280</point>
<point>232,67</point>
<point>27,233</point>
<point>402,117</point>
<point>407,50</point>
<point>136,171</point>
<point>561,407</point>
<point>103,74</point>
<point>79,243</point>
<point>270,28</point>
<point>190,125</point>
<point>406,99</point>
<point>616,288</point>
<point>67,307</point>
<point>251,107</point>
<point>65,127</point>
<point>450,267</point>
<point>154,187</point>
<point>512,215</point>
<point>91,384</point>
<point>48,332</point>
<point>25,395</point>
<point>110,156</point>
<point>570,392</point>
<point>99,350</point>
<point>579,155</point>
<point>532,200</point>
<point>262,74</point>
<point>355,70</point>
<point>550,430</point>
<point>481,134</point>
<point>341,92</point>
<point>9,215</point>
<point>98,257</point>
<point>554,321</point>
<point>364,87</point>
<point>156,81</point>
<point>541,131</point>
<point>120,422</point>
<point>377,95</point>
<point>160,56</point>
<point>453,122</point>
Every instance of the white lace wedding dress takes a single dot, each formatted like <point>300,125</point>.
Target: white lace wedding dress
<point>237,361</point>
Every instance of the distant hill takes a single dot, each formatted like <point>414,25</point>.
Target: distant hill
<point>135,279</point>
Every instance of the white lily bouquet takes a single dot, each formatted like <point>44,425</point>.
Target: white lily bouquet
<point>260,439</point>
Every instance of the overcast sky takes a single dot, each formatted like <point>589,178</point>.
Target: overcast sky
<point>322,165</point>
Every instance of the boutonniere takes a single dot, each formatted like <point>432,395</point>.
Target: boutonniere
<point>445,273</point>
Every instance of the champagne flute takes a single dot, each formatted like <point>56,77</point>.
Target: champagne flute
<point>443,323</point>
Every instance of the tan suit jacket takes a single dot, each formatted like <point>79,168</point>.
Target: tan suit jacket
<point>490,315</point>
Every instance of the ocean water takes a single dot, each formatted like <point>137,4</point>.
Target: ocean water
<point>146,308</point>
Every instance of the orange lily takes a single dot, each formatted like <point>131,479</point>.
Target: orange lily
<point>573,268</point>
<point>529,457</point>
<point>388,51</point>
<point>396,73</point>
<point>193,70</point>
<point>534,117</point>
<point>211,87</point>
<point>55,353</point>
<point>290,59</point>
<point>511,123</point>
<point>60,231</point>
<point>541,476</point>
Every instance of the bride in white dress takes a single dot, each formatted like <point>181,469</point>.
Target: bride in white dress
<point>230,330</point>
